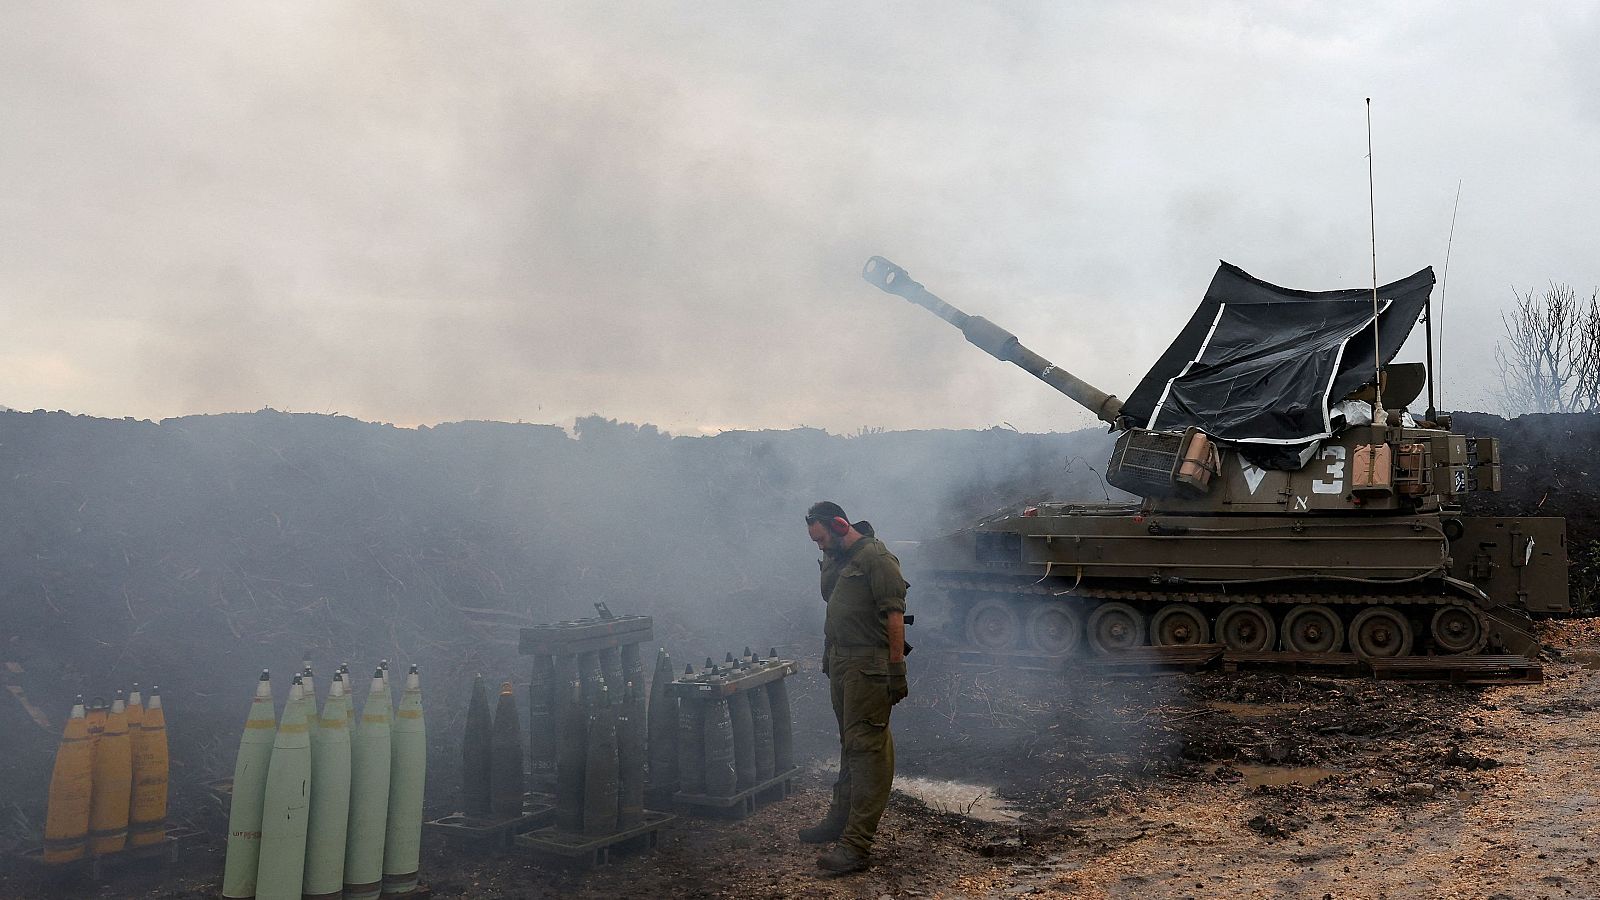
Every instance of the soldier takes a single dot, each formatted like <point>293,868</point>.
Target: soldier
<point>864,659</point>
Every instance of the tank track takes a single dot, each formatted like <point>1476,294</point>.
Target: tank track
<point>1497,629</point>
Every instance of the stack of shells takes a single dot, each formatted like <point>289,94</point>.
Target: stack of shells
<point>728,743</point>
<point>587,737</point>
<point>491,756</point>
<point>108,791</point>
<point>322,807</point>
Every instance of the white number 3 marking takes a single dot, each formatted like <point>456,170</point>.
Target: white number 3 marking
<point>1333,458</point>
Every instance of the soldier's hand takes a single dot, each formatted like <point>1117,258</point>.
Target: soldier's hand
<point>898,689</point>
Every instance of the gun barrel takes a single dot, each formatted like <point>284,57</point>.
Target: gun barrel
<point>993,340</point>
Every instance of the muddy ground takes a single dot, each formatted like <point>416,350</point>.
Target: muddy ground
<point>1195,785</point>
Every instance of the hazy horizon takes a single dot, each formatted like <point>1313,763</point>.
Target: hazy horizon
<point>413,213</point>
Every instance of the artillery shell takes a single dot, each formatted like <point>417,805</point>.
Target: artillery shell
<point>630,760</point>
<point>506,767</point>
<point>570,762</point>
<point>328,828</point>
<point>782,726</point>
<point>370,769</point>
<point>402,842</point>
<point>600,770</point>
<point>286,807</point>
<point>113,783</point>
<point>662,726</point>
<point>761,727</point>
<point>566,674</point>
<point>722,778</point>
<point>611,671</point>
<point>249,789</point>
<point>542,717</point>
<point>744,751</point>
<point>147,819</point>
<point>691,747</point>
<point>592,676</point>
<point>476,754</point>
<point>66,826</point>
<point>632,666</point>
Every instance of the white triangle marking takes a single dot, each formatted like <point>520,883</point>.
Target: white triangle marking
<point>1253,474</point>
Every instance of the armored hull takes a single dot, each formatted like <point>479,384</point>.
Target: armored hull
<point>1069,580</point>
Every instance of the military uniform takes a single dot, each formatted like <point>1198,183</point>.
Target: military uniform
<point>861,585</point>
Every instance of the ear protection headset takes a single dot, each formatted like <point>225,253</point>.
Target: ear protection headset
<point>837,524</point>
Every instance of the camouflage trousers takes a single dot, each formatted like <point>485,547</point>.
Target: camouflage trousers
<point>858,681</point>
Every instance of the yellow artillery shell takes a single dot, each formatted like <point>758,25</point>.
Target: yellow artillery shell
<point>66,827</point>
<point>113,784</point>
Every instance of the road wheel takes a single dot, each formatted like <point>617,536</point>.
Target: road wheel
<point>1179,625</point>
<point>1056,628</point>
<point>993,625</point>
<point>1313,628</point>
<point>1457,629</point>
<point>1246,628</point>
<point>1380,632</point>
<point>1114,627</point>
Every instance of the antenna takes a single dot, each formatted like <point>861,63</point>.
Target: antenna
<point>1377,351</point>
<point>1444,287</point>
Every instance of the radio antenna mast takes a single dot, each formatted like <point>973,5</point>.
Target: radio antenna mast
<point>1378,417</point>
<point>1444,288</point>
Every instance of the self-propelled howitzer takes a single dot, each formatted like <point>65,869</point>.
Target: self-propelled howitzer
<point>1276,519</point>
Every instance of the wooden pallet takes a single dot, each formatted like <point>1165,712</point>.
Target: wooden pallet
<point>1154,660</point>
<point>590,851</point>
<point>462,830</point>
<point>96,866</point>
<point>1508,669</point>
<point>743,803</point>
<point>1284,660</point>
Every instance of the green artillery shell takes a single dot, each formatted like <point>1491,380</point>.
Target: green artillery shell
<point>402,844</point>
<point>630,761</point>
<point>744,739</point>
<point>369,795</point>
<point>691,746</point>
<point>309,683</point>
<point>722,779</point>
<point>761,725</point>
<point>330,799</point>
<point>570,762</point>
<point>286,808</point>
<point>600,771</point>
<point>249,787</point>
<point>782,726</point>
<point>506,759</point>
<point>662,726</point>
<point>350,701</point>
<point>475,751</point>
<point>542,718</point>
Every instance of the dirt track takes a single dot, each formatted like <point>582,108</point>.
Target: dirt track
<point>1200,786</point>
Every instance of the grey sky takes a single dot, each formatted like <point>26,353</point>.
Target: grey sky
<point>421,212</point>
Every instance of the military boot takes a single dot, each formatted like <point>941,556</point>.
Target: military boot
<point>842,859</point>
<point>828,830</point>
<point>825,832</point>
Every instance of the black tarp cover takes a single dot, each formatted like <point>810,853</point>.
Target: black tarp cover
<point>1259,363</point>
